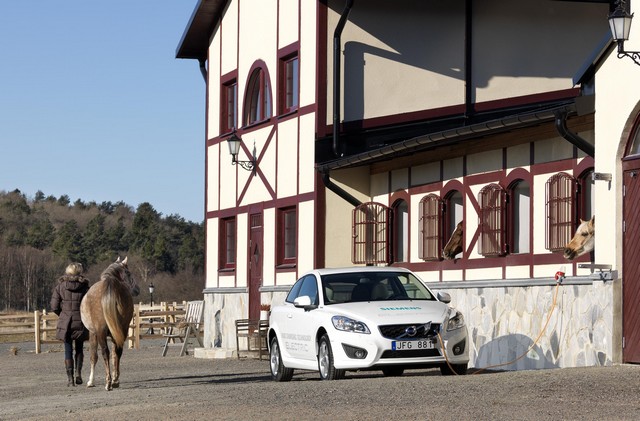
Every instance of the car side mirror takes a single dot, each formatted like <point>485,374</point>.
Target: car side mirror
<point>304,301</point>
<point>444,297</point>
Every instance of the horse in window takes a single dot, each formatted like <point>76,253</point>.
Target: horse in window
<point>454,245</point>
<point>583,240</point>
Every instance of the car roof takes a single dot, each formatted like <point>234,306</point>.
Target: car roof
<point>360,269</point>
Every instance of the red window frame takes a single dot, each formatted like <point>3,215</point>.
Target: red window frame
<point>371,227</point>
<point>430,217</point>
<point>492,200</point>
<point>560,191</point>
<point>229,106</point>
<point>289,84</point>
<point>287,228</point>
<point>227,243</point>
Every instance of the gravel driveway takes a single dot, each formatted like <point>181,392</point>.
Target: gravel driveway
<point>34,387</point>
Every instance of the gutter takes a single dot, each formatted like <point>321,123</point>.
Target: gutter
<point>336,76</point>
<point>451,136</point>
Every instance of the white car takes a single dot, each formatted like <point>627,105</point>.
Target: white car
<point>365,318</point>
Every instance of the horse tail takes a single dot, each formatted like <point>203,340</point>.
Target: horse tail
<point>111,308</point>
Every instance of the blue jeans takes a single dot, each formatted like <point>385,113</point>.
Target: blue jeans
<point>68,348</point>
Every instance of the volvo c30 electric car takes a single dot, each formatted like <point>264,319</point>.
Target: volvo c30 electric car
<point>365,318</point>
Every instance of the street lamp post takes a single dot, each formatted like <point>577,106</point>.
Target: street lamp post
<point>151,289</point>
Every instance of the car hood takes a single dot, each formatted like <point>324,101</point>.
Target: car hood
<point>392,312</point>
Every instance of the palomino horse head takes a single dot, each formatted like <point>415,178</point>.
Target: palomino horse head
<point>120,270</point>
<point>454,245</point>
<point>583,240</point>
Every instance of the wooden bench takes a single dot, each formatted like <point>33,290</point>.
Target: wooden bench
<point>187,328</point>
<point>252,330</point>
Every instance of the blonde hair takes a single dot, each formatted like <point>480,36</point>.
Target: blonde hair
<point>74,269</point>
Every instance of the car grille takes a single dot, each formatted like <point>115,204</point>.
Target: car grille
<point>399,332</point>
<point>414,353</point>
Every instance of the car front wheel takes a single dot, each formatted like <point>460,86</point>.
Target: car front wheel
<point>325,361</point>
<point>279,372</point>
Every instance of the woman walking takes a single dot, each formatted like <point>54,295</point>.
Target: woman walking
<point>65,302</point>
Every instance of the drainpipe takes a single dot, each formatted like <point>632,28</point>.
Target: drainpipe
<point>582,144</point>
<point>339,190</point>
<point>203,67</point>
<point>336,76</point>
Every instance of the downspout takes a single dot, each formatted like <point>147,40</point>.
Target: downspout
<point>336,76</point>
<point>203,67</point>
<point>339,190</point>
<point>580,143</point>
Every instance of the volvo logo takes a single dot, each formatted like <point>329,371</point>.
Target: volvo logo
<point>411,331</point>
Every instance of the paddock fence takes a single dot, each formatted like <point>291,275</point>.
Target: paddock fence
<point>148,322</point>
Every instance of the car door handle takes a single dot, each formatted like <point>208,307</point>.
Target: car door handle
<point>289,316</point>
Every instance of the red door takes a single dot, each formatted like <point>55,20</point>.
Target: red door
<point>255,264</point>
<point>631,262</point>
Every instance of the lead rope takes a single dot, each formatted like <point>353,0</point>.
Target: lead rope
<point>553,306</point>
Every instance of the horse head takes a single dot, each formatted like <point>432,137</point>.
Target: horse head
<point>583,240</point>
<point>125,276</point>
<point>454,245</point>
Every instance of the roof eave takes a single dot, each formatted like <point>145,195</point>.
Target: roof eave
<point>195,39</point>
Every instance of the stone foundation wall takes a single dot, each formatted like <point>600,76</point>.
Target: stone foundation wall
<point>520,328</point>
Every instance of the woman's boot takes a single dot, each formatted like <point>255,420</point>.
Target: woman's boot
<point>69,366</point>
<point>79,360</point>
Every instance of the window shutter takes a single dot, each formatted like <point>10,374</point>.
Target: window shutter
<point>371,223</point>
<point>430,244</point>
<point>492,200</point>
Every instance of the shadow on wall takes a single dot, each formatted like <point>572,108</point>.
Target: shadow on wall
<point>505,353</point>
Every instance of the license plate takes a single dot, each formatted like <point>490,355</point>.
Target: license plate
<point>416,344</point>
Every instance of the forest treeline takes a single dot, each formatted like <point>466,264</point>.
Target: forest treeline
<point>39,236</point>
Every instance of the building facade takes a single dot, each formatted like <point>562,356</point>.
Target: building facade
<point>369,132</point>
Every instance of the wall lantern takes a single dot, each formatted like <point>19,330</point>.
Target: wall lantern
<point>620,25</point>
<point>234,142</point>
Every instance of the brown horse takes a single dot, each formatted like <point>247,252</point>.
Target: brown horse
<point>107,310</point>
<point>583,240</point>
<point>454,245</point>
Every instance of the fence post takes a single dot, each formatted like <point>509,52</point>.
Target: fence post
<point>136,328</point>
<point>36,322</point>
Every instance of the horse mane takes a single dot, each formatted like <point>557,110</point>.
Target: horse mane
<point>112,305</point>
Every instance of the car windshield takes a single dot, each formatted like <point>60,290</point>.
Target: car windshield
<point>373,286</point>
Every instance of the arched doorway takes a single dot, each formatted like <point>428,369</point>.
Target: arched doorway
<point>631,248</point>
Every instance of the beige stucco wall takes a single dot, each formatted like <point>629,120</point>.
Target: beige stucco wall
<point>402,59</point>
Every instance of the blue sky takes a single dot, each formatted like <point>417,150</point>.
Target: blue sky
<point>94,104</point>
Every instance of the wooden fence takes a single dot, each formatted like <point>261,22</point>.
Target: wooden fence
<point>149,322</point>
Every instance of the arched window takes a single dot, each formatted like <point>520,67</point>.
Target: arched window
<point>560,211</point>
<point>400,231</point>
<point>452,215</point>
<point>430,244</point>
<point>370,226</point>
<point>492,199</point>
<point>257,104</point>
<point>520,217</point>
<point>587,198</point>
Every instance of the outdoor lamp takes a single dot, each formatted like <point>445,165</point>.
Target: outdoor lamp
<point>151,289</point>
<point>620,25</point>
<point>234,142</point>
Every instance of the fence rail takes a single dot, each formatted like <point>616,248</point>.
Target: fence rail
<point>148,322</point>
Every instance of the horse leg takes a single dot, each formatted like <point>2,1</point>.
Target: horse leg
<point>93,357</point>
<point>116,366</point>
<point>104,347</point>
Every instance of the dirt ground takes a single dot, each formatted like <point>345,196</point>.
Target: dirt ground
<point>33,387</point>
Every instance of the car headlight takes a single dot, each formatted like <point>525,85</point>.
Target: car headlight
<point>349,325</point>
<point>456,321</point>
